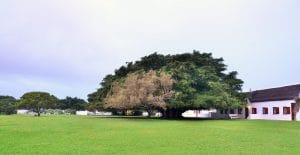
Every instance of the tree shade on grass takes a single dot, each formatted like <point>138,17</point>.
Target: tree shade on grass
<point>96,135</point>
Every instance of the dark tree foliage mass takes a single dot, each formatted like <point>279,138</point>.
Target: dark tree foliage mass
<point>7,105</point>
<point>200,82</point>
<point>37,101</point>
<point>72,103</point>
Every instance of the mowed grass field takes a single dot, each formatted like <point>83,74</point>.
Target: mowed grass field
<point>98,135</point>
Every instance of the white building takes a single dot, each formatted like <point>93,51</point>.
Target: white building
<point>274,104</point>
<point>198,113</point>
<point>84,113</point>
<point>268,104</point>
<point>103,113</point>
<point>22,111</point>
<point>215,114</point>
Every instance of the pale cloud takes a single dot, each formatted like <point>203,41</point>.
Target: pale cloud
<point>23,84</point>
<point>63,44</point>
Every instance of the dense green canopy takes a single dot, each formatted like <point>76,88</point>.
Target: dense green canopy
<point>37,101</point>
<point>7,105</point>
<point>72,103</point>
<point>201,81</point>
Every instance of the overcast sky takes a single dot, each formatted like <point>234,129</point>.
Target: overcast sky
<point>66,47</point>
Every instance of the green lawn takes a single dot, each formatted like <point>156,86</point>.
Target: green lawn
<point>96,135</point>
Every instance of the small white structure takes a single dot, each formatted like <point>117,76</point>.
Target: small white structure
<point>84,113</point>
<point>155,114</point>
<point>274,104</point>
<point>215,114</point>
<point>22,111</point>
<point>198,113</point>
<point>158,114</point>
<point>103,113</point>
<point>145,114</point>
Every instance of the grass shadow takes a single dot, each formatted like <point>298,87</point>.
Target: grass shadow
<point>161,119</point>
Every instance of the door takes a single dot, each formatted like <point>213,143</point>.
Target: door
<point>293,111</point>
<point>246,113</point>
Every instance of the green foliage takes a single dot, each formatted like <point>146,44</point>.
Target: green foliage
<point>58,112</point>
<point>218,97</point>
<point>7,97</point>
<point>7,105</point>
<point>37,101</point>
<point>93,106</point>
<point>49,111</point>
<point>193,73</point>
<point>70,111</point>
<point>201,88</point>
<point>72,103</point>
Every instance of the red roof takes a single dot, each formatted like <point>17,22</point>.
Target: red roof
<point>275,94</point>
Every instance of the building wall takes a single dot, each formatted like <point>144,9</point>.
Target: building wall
<point>198,113</point>
<point>297,109</point>
<point>270,116</point>
<point>82,112</point>
<point>213,112</point>
<point>103,113</point>
<point>237,115</point>
<point>22,111</point>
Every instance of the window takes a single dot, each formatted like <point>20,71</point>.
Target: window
<point>286,110</point>
<point>240,110</point>
<point>275,110</point>
<point>265,110</point>
<point>221,111</point>
<point>232,111</point>
<point>254,111</point>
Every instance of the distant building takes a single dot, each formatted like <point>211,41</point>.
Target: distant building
<point>84,113</point>
<point>274,104</point>
<point>215,114</point>
<point>267,104</point>
<point>103,113</point>
<point>198,113</point>
<point>22,111</point>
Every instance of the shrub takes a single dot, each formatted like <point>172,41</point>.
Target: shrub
<point>7,106</point>
<point>70,111</point>
<point>49,111</point>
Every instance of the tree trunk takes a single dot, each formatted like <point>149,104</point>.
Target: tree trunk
<point>173,113</point>
<point>180,112</point>
<point>177,113</point>
<point>39,111</point>
<point>149,111</point>
<point>169,113</point>
<point>164,112</point>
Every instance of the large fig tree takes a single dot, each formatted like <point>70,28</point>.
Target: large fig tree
<point>199,82</point>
